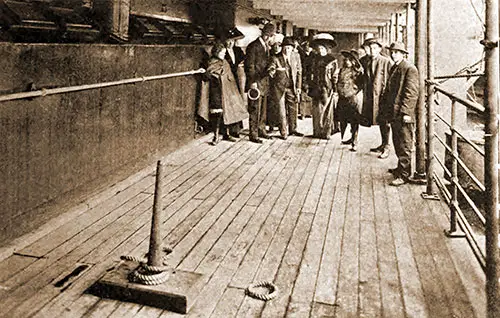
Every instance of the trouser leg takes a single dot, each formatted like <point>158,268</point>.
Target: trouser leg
<point>253,110</point>
<point>262,115</point>
<point>291,110</point>
<point>385,131</point>
<point>403,138</point>
<point>354,133</point>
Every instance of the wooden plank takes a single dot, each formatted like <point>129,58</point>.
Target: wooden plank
<point>370,303</point>
<point>304,288</point>
<point>148,312</point>
<point>229,303</point>
<point>434,238</point>
<point>289,267</point>
<point>337,188</point>
<point>280,239</point>
<point>14,264</point>
<point>217,284</point>
<point>103,308</point>
<point>412,279</point>
<point>315,189</point>
<point>390,289</point>
<point>348,280</point>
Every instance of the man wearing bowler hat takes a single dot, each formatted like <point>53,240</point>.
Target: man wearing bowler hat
<point>376,76</point>
<point>401,96</point>
<point>258,79</point>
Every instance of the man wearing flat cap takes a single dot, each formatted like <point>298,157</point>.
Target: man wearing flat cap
<point>401,96</point>
<point>257,78</point>
<point>376,76</point>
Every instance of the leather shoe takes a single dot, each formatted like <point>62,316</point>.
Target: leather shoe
<point>256,140</point>
<point>265,136</point>
<point>296,133</point>
<point>384,154</point>
<point>281,137</point>
<point>393,171</point>
<point>377,149</point>
<point>354,148</point>
<point>398,182</point>
<point>347,142</point>
<point>229,138</point>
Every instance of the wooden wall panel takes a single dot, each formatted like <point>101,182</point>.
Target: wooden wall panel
<point>57,149</point>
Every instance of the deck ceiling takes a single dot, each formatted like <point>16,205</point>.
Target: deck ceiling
<point>354,16</point>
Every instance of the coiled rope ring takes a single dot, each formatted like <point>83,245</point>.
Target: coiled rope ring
<point>272,290</point>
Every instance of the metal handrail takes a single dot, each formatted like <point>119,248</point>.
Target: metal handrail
<point>471,105</point>
<point>467,140</point>
<point>68,89</point>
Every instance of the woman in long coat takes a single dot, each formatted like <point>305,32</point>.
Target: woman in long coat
<point>322,83</point>
<point>350,103</point>
<point>224,105</point>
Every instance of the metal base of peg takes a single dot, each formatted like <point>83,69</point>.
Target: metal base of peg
<point>432,196</point>
<point>177,294</point>
<point>454,234</point>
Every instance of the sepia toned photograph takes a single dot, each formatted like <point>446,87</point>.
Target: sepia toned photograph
<point>249,158</point>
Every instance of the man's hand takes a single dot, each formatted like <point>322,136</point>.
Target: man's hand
<point>253,85</point>
<point>406,119</point>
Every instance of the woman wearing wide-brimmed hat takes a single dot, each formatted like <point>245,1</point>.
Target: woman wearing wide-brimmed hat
<point>322,82</point>
<point>350,90</point>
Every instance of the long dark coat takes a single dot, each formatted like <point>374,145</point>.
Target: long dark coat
<point>402,91</point>
<point>349,88</point>
<point>256,66</point>
<point>376,77</point>
<point>219,90</point>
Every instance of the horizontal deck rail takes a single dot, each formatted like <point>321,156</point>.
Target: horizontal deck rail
<point>69,89</point>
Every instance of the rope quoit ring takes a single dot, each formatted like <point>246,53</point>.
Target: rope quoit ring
<point>272,290</point>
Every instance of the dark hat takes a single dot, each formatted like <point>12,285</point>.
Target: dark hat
<point>397,46</point>
<point>233,34</point>
<point>372,41</point>
<point>324,39</point>
<point>352,55</point>
<point>269,29</point>
<point>288,41</point>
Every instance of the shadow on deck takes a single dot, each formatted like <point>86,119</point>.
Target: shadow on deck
<point>317,219</point>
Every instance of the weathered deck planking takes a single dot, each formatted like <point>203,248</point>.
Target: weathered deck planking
<point>318,220</point>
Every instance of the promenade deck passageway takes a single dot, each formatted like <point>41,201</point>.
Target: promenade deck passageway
<point>318,220</point>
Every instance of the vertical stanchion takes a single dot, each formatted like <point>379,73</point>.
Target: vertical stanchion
<point>491,157</point>
<point>155,256</point>
<point>430,194</point>
<point>420,113</point>
<point>453,230</point>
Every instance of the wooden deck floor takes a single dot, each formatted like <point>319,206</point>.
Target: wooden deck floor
<point>313,217</point>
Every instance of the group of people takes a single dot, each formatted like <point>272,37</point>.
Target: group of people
<point>371,89</point>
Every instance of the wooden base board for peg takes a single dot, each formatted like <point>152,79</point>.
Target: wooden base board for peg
<point>177,294</point>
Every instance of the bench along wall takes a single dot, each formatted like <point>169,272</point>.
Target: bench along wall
<point>56,150</point>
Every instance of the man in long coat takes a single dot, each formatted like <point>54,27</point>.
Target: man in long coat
<point>376,76</point>
<point>257,55</point>
<point>286,82</point>
<point>401,96</point>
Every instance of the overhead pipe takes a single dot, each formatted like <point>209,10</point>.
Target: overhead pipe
<point>491,157</point>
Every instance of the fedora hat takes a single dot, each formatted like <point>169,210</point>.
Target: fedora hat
<point>397,46</point>
<point>288,41</point>
<point>324,39</point>
<point>373,41</point>
<point>352,55</point>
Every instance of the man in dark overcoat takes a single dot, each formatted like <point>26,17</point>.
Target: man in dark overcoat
<point>401,96</point>
<point>376,76</point>
<point>257,78</point>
